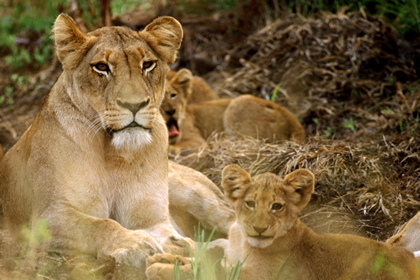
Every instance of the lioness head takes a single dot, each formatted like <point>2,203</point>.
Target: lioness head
<point>116,76</point>
<point>178,88</point>
<point>266,205</point>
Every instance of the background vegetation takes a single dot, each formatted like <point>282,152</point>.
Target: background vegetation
<point>376,179</point>
<point>25,25</point>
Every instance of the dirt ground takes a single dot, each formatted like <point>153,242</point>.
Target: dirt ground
<point>350,79</point>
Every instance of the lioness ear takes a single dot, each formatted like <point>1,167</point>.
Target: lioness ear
<point>235,181</point>
<point>300,186</point>
<point>183,78</point>
<point>70,41</point>
<point>164,35</point>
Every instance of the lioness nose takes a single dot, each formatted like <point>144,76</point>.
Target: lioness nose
<point>134,107</point>
<point>260,229</point>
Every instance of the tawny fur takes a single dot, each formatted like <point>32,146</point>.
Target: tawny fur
<point>200,91</point>
<point>244,115</point>
<point>275,244</point>
<point>196,203</point>
<point>409,236</point>
<point>94,162</point>
<point>182,89</point>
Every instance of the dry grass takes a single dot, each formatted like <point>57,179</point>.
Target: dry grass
<point>363,179</point>
<point>343,75</point>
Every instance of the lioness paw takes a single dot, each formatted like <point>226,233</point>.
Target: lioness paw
<point>179,245</point>
<point>162,267</point>
<point>133,249</point>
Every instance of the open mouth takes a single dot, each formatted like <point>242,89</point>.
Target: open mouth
<point>133,124</point>
<point>172,128</point>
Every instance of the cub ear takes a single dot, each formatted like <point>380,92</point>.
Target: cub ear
<point>70,41</point>
<point>300,186</point>
<point>164,35</point>
<point>183,79</point>
<point>235,182</point>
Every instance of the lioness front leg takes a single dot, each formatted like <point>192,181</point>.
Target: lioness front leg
<point>162,267</point>
<point>102,237</point>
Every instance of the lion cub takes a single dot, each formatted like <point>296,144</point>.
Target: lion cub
<point>275,244</point>
<point>189,125</point>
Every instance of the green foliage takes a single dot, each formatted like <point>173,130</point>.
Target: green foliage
<point>379,263</point>
<point>386,111</point>
<point>275,93</point>
<point>204,267</point>
<point>25,32</point>
<point>18,83</point>
<point>403,14</point>
<point>328,132</point>
<point>7,97</point>
<point>349,124</point>
<point>120,7</point>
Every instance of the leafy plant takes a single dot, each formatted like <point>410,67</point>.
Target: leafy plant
<point>349,124</point>
<point>328,131</point>
<point>205,267</point>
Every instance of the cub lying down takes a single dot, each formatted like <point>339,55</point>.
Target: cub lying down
<point>246,115</point>
<point>409,236</point>
<point>275,244</point>
<point>182,89</point>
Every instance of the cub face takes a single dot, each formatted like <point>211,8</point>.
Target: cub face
<point>177,90</point>
<point>266,206</point>
<point>118,77</point>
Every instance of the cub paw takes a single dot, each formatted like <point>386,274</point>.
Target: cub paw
<point>162,267</point>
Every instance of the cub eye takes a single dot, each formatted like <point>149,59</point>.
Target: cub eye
<point>101,69</point>
<point>148,65</point>
<point>250,204</point>
<point>276,207</point>
<point>172,95</point>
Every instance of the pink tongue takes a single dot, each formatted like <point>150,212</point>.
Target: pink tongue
<point>172,130</point>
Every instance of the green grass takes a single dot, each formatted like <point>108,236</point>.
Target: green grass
<point>25,25</point>
<point>402,14</point>
<point>205,267</point>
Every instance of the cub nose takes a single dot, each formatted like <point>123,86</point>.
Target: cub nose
<point>134,107</point>
<point>171,112</point>
<point>260,229</point>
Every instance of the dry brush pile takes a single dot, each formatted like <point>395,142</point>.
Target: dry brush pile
<point>345,77</point>
<point>328,69</point>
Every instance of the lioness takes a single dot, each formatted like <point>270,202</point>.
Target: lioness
<point>196,204</point>
<point>94,162</point>
<point>274,244</point>
<point>189,126</point>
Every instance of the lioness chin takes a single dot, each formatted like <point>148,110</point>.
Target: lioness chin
<point>94,164</point>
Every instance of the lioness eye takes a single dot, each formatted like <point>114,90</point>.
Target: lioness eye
<point>172,95</point>
<point>276,207</point>
<point>148,65</point>
<point>101,68</point>
<point>250,204</point>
